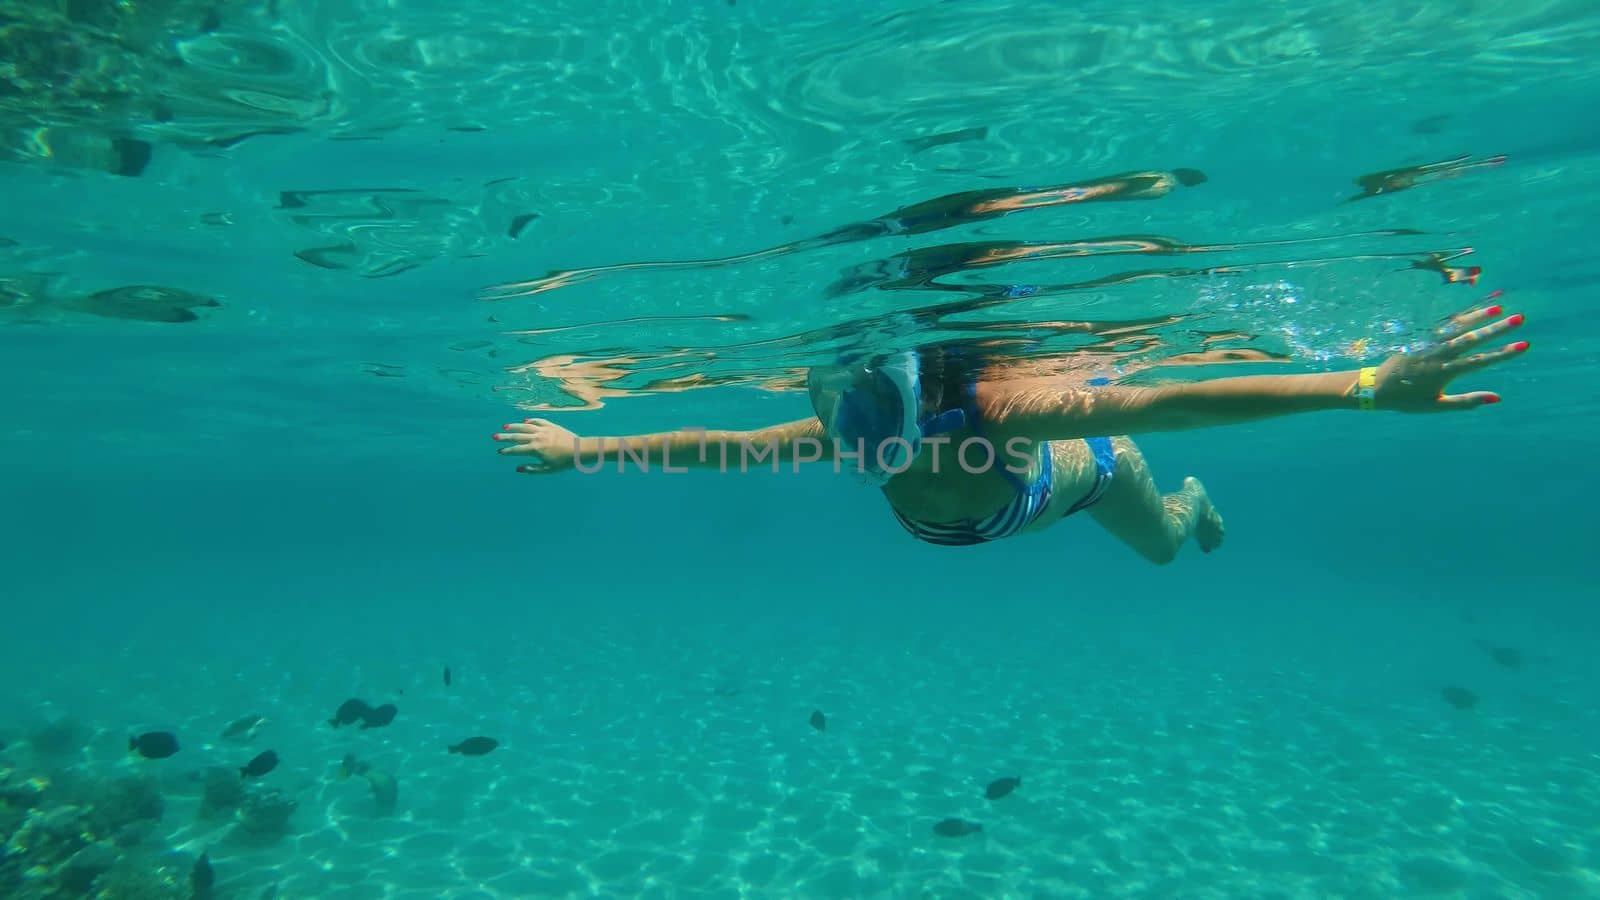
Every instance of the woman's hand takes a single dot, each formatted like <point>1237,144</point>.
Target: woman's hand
<point>550,446</point>
<point>1415,382</point>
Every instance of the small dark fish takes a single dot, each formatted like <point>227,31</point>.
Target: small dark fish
<point>243,728</point>
<point>154,744</point>
<point>1000,787</point>
<point>956,828</point>
<point>819,721</point>
<point>350,712</point>
<point>519,223</point>
<point>379,716</point>
<point>446,676</point>
<point>264,762</point>
<point>1510,657</point>
<point>201,878</point>
<point>1459,697</point>
<point>476,746</point>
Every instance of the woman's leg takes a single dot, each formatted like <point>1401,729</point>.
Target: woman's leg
<point>1152,524</point>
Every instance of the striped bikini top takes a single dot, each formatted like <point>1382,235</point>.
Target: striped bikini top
<point>1024,507</point>
<point>1026,504</point>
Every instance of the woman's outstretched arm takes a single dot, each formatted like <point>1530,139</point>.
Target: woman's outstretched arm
<point>1045,409</point>
<point>551,448</point>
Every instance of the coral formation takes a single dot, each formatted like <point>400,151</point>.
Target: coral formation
<point>65,834</point>
<point>264,814</point>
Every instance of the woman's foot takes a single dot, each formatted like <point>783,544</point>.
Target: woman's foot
<point>1208,532</point>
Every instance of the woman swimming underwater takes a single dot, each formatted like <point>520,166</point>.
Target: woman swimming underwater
<point>970,453</point>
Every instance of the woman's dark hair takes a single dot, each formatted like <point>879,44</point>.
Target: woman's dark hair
<point>948,367</point>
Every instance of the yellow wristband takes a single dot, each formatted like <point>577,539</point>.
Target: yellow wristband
<point>1366,384</point>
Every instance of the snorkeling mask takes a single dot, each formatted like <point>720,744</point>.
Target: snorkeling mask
<point>876,409</point>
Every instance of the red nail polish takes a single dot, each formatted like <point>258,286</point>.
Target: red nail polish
<point>1516,319</point>
<point>1520,346</point>
<point>1492,311</point>
<point>1492,398</point>
<point>1495,293</point>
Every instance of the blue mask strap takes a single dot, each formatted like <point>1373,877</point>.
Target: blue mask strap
<point>947,421</point>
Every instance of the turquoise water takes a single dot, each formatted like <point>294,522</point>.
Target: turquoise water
<point>264,482</point>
